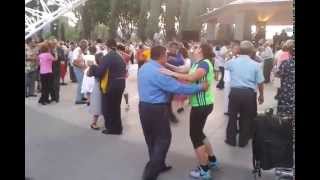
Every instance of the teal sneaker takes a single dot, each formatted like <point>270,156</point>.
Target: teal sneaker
<point>199,173</point>
<point>214,165</point>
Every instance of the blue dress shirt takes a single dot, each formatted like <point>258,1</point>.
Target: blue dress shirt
<point>155,87</point>
<point>244,72</point>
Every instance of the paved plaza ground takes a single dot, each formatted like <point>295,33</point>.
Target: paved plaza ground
<point>59,145</point>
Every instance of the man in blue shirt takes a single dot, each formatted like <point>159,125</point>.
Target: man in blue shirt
<point>155,89</point>
<point>245,75</point>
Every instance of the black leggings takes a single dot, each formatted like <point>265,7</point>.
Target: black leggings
<point>46,87</point>
<point>198,118</point>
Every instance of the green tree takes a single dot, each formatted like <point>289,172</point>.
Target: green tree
<point>143,14</point>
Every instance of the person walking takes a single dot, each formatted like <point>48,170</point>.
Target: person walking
<point>31,67</point>
<point>201,106</point>
<point>79,66</point>
<point>154,89</point>
<point>114,65</point>
<point>246,76</point>
<point>46,74</point>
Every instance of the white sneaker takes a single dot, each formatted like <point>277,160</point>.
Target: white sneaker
<point>199,173</point>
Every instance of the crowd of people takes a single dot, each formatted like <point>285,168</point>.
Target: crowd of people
<point>168,76</point>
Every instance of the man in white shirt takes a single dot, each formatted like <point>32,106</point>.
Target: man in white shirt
<point>220,53</point>
<point>265,52</point>
<point>78,63</point>
<point>71,72</point>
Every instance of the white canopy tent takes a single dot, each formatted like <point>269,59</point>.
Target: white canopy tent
<point>274,12</point>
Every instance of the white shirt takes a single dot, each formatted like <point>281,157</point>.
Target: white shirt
<point>89,59</point>
<point>267,53</point>
<point>219,59</point>
<point>75,55</point>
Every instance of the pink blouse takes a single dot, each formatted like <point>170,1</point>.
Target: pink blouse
<point>45,61</point>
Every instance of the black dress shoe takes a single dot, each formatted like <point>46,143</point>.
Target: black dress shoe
<point>242,145</point>
<point>109,132</point>
<point>165,169</point>
<point>80,102</point>
<point>63,84</point>
<point>32,95</point>
<point>229,143</point>
<point>227,114</point>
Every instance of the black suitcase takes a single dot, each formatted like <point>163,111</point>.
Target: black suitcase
<point>272,143</point>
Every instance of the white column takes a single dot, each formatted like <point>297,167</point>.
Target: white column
<point>239,29</point>
<point>211,30</point>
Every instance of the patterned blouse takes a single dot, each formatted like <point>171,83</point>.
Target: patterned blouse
<point>286,101</point>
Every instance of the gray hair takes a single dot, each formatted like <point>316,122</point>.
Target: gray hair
<point>83,41</point>
<point>246,47</point>
<point>289,43</point>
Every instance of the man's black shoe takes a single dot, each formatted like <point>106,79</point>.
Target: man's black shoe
<point>165,169</point>
<point>227,114</point>
<point>63,84</point>
<point>242,145</point>
<point>229,143</point>
<point>108,132</point>
<point>80,102</point>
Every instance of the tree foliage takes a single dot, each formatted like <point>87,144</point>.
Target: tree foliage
<point>126,17</point>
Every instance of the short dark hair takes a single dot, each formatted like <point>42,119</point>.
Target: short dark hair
<point>121,47</point>
<point>99,40</point>
<point>186,44</point>
<point>184,52</point>
<point>173,44</point>
<point>157,52</point>
<point>207,51</point>
<point>92,49</point>
<point>112,44</point>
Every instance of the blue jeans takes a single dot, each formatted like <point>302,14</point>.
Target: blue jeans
<point>79,76</point>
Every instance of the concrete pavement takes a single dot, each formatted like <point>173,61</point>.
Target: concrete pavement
<point>61,146</point>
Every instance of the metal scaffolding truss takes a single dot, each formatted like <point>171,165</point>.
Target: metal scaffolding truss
<point>39,13</point>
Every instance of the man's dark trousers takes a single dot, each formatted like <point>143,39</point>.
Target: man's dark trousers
<point>111,106</point>
<point>56,81</point>
<point>156,129</point>
<point>267,68</point>
<point>241,101</point>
